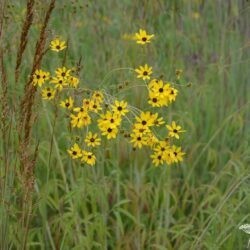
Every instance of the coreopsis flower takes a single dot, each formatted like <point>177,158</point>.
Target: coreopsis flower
<point>144,72</point>
<point>86,103</point>
<point>142,37</point>
<point>67,103</point>
<point>159,121</point>
<point>109,119</point>
<point>59,82</point>
<point>151,139</point>
<point>57,45</point>
<point>97,96</point>
<point>75,151</point>
<point>40,77</point>
<point>155,100</point>
<point>137,139</point>
<point>120,108</point>
<point>92,140</point>
<point>172,94</point>
<point>174,130</point>
<point>159,93</point>
<point>109,132</point>
<point>88,157</point>
<point>95,106</point>
<point>73,81</point>
<point>157,158</point>
<point>162,146</point>
<point>63,72</point>
<point>145,120</point>
<point>176,154</point>
<point>48,93</point>
<point>81,119</point>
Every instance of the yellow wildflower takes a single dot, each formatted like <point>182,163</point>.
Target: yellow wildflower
<point>88,157</point>
<point>67,103</point>
<point>144,72</point>
<point>48,93</point>
<point>120,108</point>
<point>174,130</point>
<point>39,77</point>
<point>142,37</point>
<point>75,151</point>
<point>92,140</point>
<point>57,45</point>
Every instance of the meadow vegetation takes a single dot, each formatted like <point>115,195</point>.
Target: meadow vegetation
<point>122,197</point>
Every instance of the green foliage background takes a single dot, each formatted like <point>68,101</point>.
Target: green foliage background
<point>124,202</point>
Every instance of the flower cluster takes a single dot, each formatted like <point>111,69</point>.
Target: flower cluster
<point>100,116</point>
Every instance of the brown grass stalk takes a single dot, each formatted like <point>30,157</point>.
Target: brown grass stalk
<point>24,35</point>
<point>27,155</point>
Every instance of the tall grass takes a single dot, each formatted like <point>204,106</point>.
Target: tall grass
<point>124,202</point>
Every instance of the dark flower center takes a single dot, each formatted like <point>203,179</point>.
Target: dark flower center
<point>144,39</point>
<point>144,122</point>
<point>92,139</point>
<point>139,138</point>
<point>49,94</point>
<point>67,104</point>
<point>145,73</point>
<point>160,90</point>
<point>119,108</point>
<point>175,131</point>
<point>89,156</point>
<point>159,157</point>
<point>74,153</point>
<point>154,100</point>
<point>58,47</point>
<point>109,130</point>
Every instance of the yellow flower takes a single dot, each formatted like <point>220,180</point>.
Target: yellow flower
<point>63,72</point>
<point>120,108</point>
<point>48,93</point>
<point>142,37</point>
<point>138,140</point>
<point>73,81</point>
<point>59,82</point>
<point>159,122</point>
<point>145,120</point>
<point>95,106</point>
<point>176,154</point>
<point>57,45</point>
<point>174,130</point>
<point>144,72</point>
<point>92,140</point>
<point>75,151</point>
<point>109,120</point>
<point>39,77</point>
<point>68,103</point>
<point>82,119</point>
<point>110,132</point>
<point>97,96</point>
<point>86,103</point>
<point>157,158</point>
<point>172,94</point>
<point>155,100</point>
<point>88,157</point>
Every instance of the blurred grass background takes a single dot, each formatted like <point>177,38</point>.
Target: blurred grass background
<point>124,202</point>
